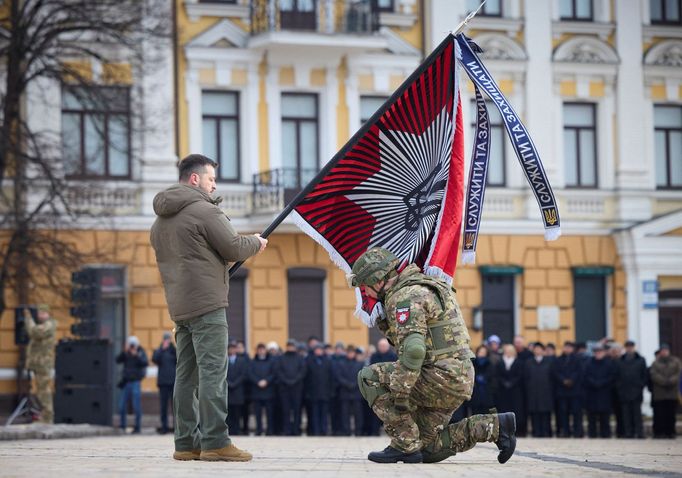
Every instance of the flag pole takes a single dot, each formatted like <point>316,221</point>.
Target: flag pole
<point>468,18</point>
<point>358,134</point>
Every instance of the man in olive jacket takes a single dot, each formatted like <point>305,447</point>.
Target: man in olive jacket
<point>194,242</point>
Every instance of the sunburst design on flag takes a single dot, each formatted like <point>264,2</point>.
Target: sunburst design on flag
<point>398,183</point>
<point>405,195</point>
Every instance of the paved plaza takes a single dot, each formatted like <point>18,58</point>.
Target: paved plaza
<point>148,455</point>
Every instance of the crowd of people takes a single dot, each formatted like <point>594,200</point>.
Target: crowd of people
<point>315,380</point>
<point>551,393</point>
<point>607,381</point>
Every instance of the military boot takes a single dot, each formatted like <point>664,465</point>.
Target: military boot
<point>226,453</point>
<point>506,441</point>
<point>391,455</point>
<point>187,455</point>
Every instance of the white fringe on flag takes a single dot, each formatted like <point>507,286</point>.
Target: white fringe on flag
<point>438,273</point>
<point>317,237</point>
<point>468,257</point>
<point>552,233</point>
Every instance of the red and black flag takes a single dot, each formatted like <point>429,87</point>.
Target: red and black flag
<point>399,182</point>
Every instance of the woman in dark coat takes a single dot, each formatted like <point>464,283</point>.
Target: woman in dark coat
<point>509,390</point>
<point>539,391</point>
<point>600,375</point>
<point>482,397</point>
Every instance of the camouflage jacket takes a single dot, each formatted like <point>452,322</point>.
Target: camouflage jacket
<point>41,348</point>
<point>420,304</point>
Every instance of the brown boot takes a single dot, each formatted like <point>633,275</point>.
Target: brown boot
<point>226,453</point>
<point>187,455</point>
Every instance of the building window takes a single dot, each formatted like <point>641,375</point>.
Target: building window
<point>590,307</point>
<point>96,132</point>
<point>668,140</point>
<point>306,302</point>
<point>665,12</point>
<point>369,105</point>
<point>492,8</point>
<point>496,164</point>
<point>498,305</point>
<point>580,145</point>
<point>576,10</point>
<point>298,14</point>
<point>383,5</point>
<point>300,148</point>
<point>220,132</point>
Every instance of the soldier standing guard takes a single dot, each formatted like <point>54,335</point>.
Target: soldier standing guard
<point>416,395</point>
<point>40,357</point>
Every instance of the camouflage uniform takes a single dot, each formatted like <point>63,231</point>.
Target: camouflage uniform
<point>40,359</point>
<point>418,304</point>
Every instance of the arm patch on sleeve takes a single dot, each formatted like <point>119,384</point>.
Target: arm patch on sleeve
<point>402,312</point>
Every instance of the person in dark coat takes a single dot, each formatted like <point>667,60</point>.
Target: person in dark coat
<point>349,397</point>
<point>246,408</point>
<point>384,353</point>
<point>134,360</point>
<point>318,388</point>
<point>290,370</point>
<point>335,417</point>
<point>522,355</point>
<point>165,358</point>
<point>261,378</point>
<point>509,396</point>
<point>237,375</point>
<point>630,382</point>
<point>567,374</point>
<point>599,379</point>
<point>539,391</point>
<point>482,397</point>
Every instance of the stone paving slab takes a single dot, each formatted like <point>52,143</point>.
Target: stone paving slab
<point>279,457</point>
<point>49,431</point>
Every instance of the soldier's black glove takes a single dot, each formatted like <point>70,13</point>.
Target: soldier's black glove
<point>402,404</point>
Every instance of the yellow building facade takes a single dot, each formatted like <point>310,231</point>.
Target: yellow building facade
<point>622,228</point>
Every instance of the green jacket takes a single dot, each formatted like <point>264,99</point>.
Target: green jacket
<point>194,242</point>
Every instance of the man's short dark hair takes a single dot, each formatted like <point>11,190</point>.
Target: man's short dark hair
<point>194,163</point>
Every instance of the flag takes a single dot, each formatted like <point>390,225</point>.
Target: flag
<point>399,181</point>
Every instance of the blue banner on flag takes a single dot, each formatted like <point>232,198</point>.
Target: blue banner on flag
<point>520,140</point>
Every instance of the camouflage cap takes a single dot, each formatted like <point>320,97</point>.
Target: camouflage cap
<point>43,307</point>
<point>371,267</point>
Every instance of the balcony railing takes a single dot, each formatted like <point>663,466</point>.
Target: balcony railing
<point>323,16</point>
<point>274,188</point>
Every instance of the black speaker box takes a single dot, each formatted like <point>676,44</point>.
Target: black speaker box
<point>83,362</point>
<point>84,404</point>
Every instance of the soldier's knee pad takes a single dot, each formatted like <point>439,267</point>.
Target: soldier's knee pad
<point>370,388</point>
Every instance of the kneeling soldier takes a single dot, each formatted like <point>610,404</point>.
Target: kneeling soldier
<point>416,396</point>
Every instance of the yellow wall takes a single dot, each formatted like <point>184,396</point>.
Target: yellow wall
<point>546,280</point>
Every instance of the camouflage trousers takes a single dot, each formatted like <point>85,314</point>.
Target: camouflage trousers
<point>43,391</point>
<point>440,389</point>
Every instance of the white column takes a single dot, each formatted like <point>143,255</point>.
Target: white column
<point>353,101</point>
<point>634,166</point>
<point>158,114</point>
<point>539,118</point>
<point>273,97</point>
<point>328,118</point>
<point>250,156</point>
<point>442,17</point>
<point>193,99</point>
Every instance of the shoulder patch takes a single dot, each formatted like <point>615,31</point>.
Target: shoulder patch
<point>402,312</point>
